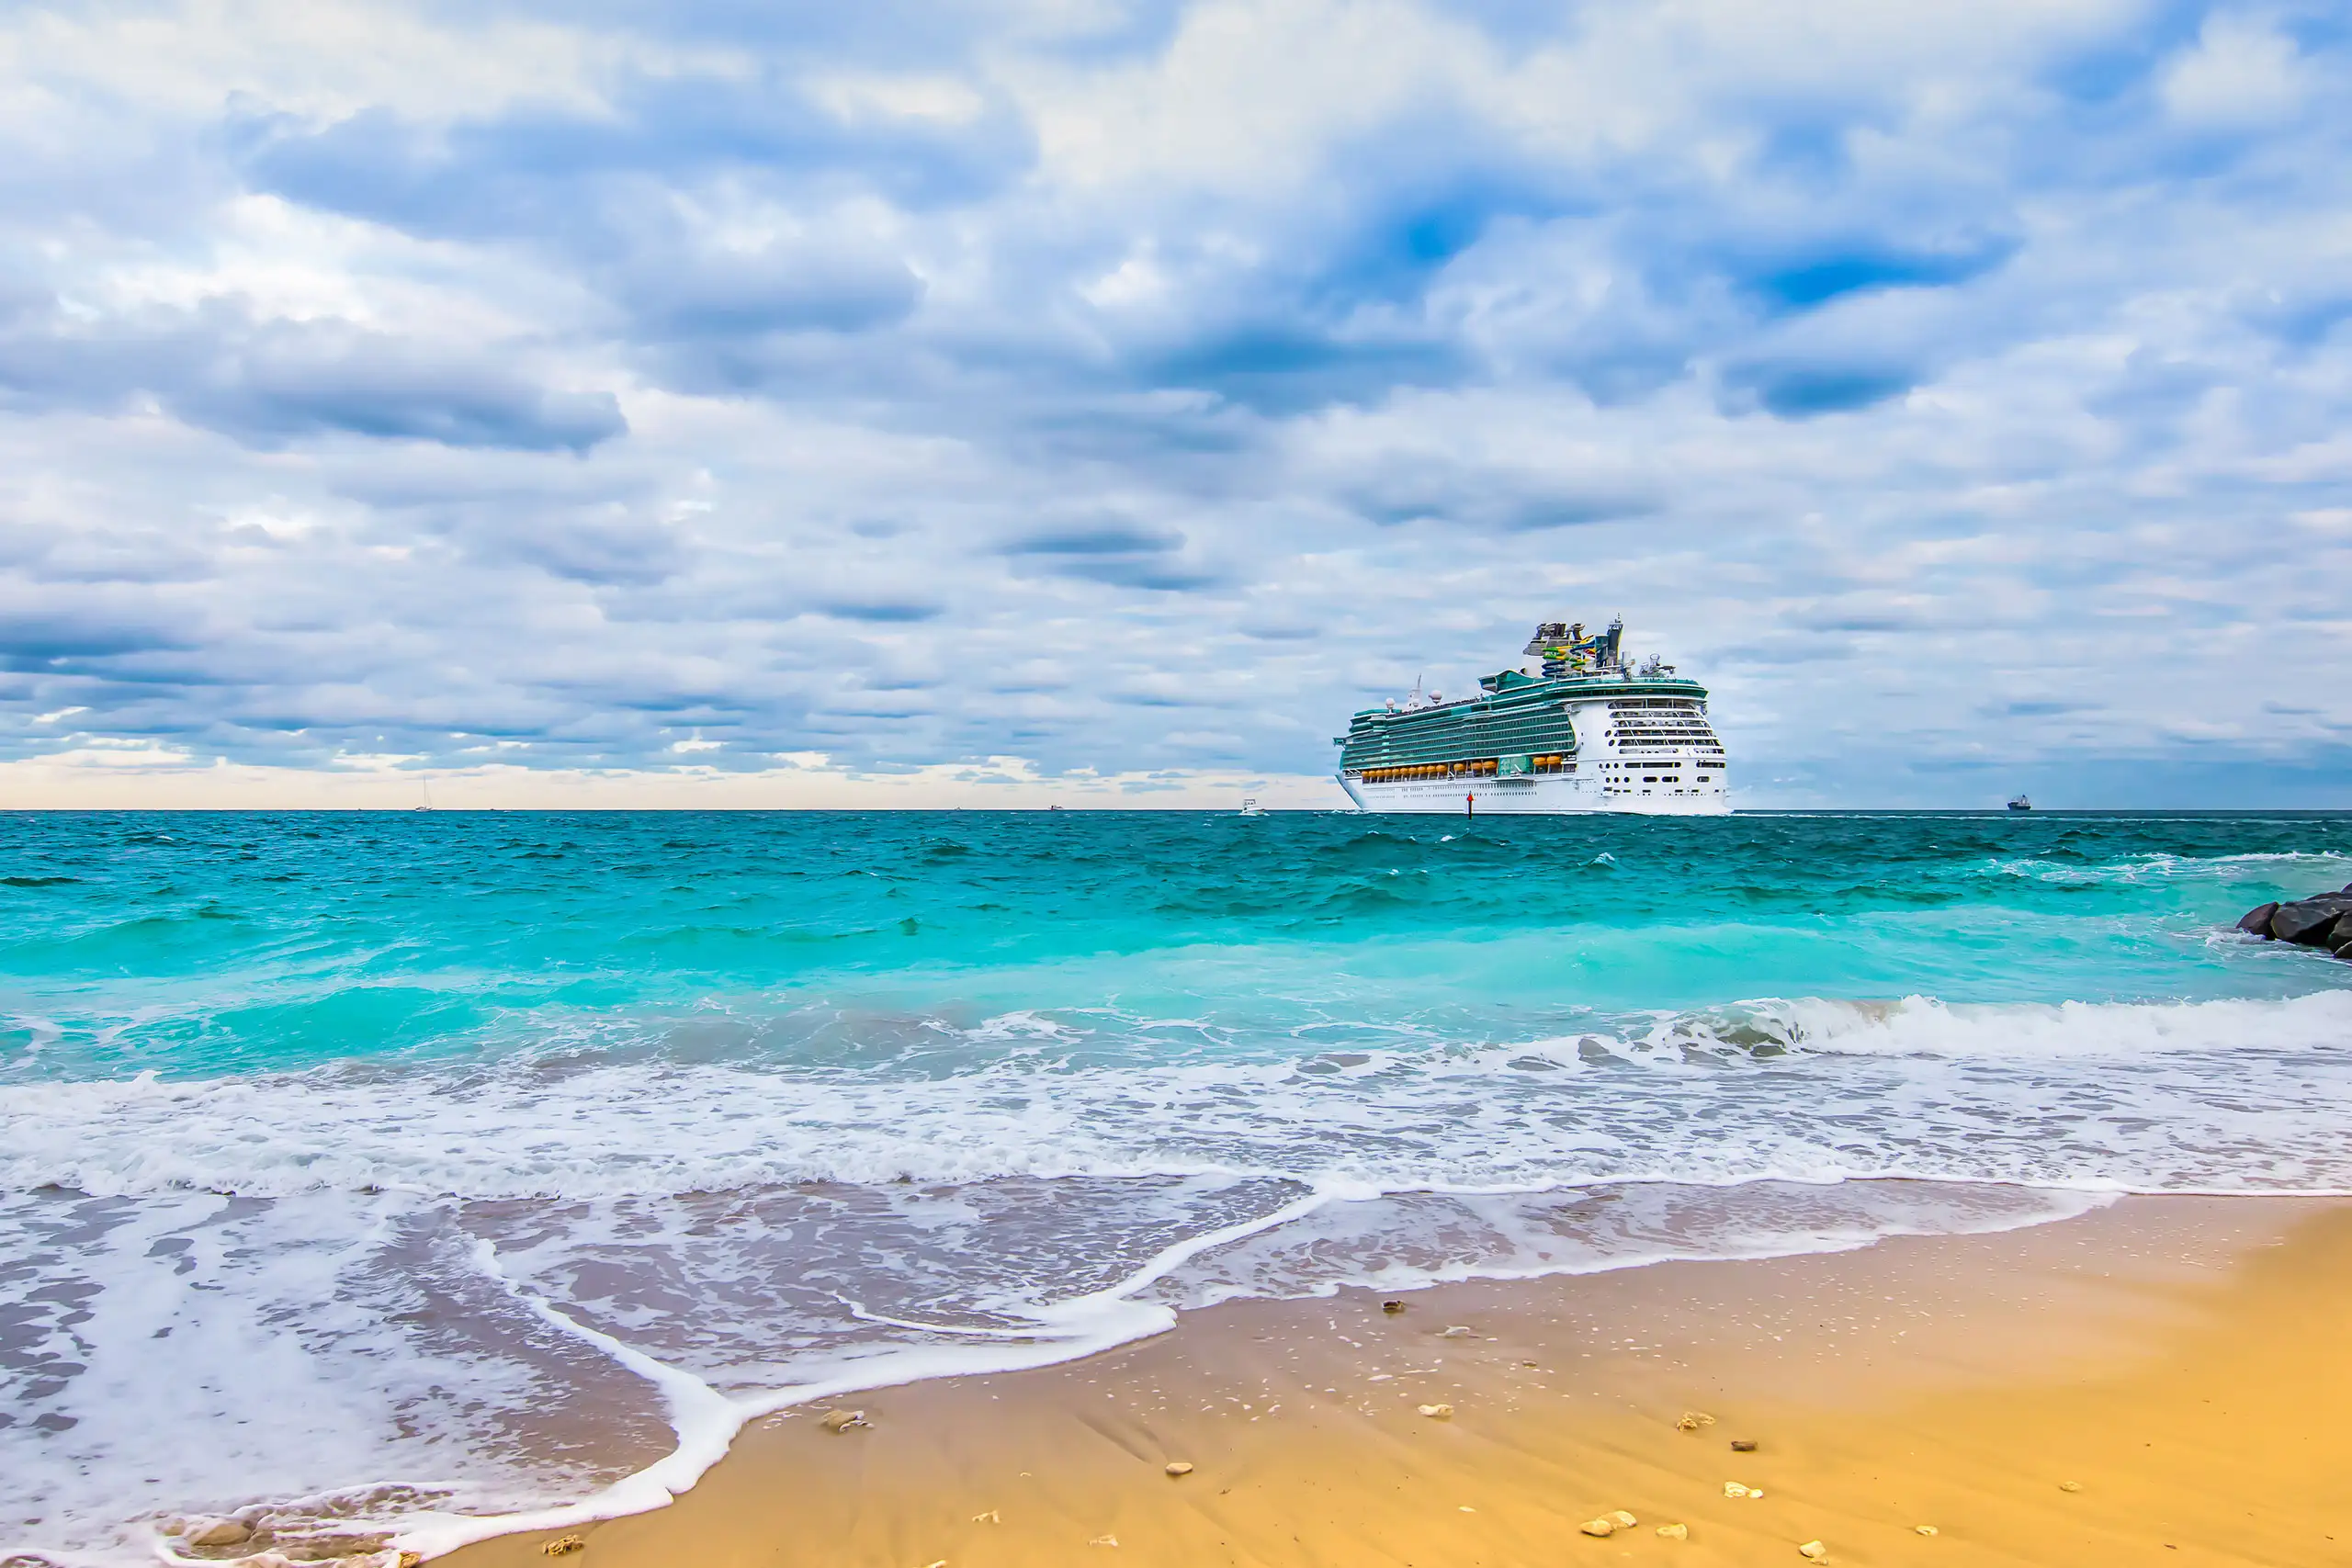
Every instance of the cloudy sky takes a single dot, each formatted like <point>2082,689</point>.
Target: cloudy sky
<point>984,402</point>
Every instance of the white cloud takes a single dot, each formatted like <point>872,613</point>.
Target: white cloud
<point>1249,95</point>
<point>860,96</point>
<point>318,57</point>
<point>2241,72</point>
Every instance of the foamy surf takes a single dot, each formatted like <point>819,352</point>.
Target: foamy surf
<point>1403,1242</point>
<point>2220,1096</point>
<point>554,1240</point>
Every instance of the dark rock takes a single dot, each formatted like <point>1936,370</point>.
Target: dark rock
<point>2310,922</point>
<point>2256,922</point>
<point>2344,941</point>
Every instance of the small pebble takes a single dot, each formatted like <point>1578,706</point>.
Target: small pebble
<point>1104,1540</point>
<point>1743,1445</point>
<point>1692,1420</point>
<point>2070,1486</point>
<point>1392,1307</point>
<point>1813,1550</point>
<point>1675,1533</point>
<point>991,1517</point>
<point>1178,1467</point>
<point>1598,1526</point>
<point>1926,1530</point>
<point>1625,1521</point>
<point>565,1545</point>
<point>1438,1412</point>
<point>838,1421</point>
<point>1736,1489</point>
<point>217,1532</point>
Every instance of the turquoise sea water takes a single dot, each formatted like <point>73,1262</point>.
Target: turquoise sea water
<point>336,1150</point>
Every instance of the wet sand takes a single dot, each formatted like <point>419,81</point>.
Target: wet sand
<point>2164,1382</point>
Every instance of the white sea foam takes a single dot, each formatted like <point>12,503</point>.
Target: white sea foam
<point>344,1300</point>
<point>2162,1096</point>
<point>2317,865</point>
<point>345,1394</point>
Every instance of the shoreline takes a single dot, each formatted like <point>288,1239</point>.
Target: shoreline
<point>1936,1376</point>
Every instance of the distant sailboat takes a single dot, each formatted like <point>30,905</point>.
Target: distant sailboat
<point>428,796</point>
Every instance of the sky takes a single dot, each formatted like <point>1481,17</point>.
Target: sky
<point>1024,401</point>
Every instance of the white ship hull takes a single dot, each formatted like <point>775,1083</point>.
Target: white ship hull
<point>1552,795</point>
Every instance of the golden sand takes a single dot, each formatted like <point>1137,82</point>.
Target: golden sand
<point>2166,1381</point>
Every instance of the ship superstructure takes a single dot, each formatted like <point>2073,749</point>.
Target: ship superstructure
<point>1590,732</point>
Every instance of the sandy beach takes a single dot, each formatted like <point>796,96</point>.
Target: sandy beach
<point>2159,1381</point>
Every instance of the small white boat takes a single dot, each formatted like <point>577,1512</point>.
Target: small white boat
<point>1251,808</point>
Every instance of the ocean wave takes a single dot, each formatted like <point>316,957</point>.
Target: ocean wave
<point>2322,865</point>
<point>2162,1095</point>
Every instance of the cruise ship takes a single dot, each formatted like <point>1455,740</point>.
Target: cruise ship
<point>1590,732</point>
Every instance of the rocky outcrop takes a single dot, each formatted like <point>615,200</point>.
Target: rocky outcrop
<point>2325,920</point>
<point>2309,922</point>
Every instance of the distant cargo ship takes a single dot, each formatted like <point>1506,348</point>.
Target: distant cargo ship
<point>1589,733</point>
